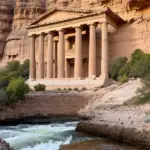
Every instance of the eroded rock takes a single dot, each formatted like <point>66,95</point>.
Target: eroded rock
<point>4,145</point>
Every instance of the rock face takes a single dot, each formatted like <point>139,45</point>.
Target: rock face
<point>108,116</point>
<point>5,21</point>
<point>25,12</point>
<point>4,145</point>
<point>139,4</point>
<point>14,34</point>
<point>17,43</point>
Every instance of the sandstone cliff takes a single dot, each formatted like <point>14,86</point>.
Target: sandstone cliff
<point>5,21</point>
<point>134,34</point>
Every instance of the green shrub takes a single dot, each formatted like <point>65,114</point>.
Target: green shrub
<point>136,56</point>
<point>3,97</point>
<point>116,66</point>
<point>24,69</point>
<point>3,72</point>
<point>39,87</point>
<point>14,74</point>
<point>138,66</point>
<point>141,67</point>
<point>125,69</point>
<point>76,89</point>
<point>124,78</point>
<point>69,89</point>
<point>26,64</point>
<point>16,90</point>
<point>13,66</point>
<point>4,81</point>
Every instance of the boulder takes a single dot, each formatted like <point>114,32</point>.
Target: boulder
<point>4,145</point>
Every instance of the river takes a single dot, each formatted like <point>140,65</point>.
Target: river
<point>43,137</point>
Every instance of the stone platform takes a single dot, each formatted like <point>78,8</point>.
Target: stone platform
<point>53,84</point>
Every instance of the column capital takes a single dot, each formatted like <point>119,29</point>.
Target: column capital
<point>32,35</point>
<point>92,24</point>
<point>78,27</point>
<point>42,33</point>
<point>104,21</point>
<point>62,30</point>
<point>51,32</point>
<point>67,37</point>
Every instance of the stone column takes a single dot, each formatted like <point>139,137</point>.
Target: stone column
<point>61,55</point>
<point>41,56</point>
<point>50,56</point>
<point>32,58</point>
<point>67,43</point>
<point>92,51</point>
<point>67,69</point>
<point>55,60</point>
<point>78,53</point>
<point>104,61</point>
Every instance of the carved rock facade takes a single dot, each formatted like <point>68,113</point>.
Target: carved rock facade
<point>14,44</point>
<point>17,47</point>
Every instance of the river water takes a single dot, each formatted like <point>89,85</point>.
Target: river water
<point>40,137</point>
<point>43,137</point>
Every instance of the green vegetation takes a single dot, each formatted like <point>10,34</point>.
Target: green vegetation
<point>14,70</point>
<point>123,78</point>
<point>116,66</point>
<point>137,67</point>
<point>16,90</point>
<point>39,87</point>
<point>59,89</point>
<point>143,94</point>
<point>69,89</point>
<point>3,97</point>
<point>12,82</point>
<point>4,81</point>
<point>76,89</point>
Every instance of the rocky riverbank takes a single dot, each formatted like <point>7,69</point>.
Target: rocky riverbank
<point>103,111</point>
<point>108,116</point>
<point>4,145</point>
<point>99,144</point>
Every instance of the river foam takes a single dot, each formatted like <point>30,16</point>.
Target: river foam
<point>39,137</point>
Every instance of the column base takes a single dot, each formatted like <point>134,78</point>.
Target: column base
<point>92,77</point>
<point>105,81</point>
<point>78,78</point>
<point>30,80</point>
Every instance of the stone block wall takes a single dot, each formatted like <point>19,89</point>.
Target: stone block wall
<point>46,104</point>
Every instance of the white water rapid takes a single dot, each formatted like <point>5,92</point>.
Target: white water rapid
<point>40,137</point>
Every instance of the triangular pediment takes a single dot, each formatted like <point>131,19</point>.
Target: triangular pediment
<point>59,14</point>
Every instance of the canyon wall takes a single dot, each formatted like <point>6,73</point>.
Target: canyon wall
<point>16,15</point>
<point>5,21</point>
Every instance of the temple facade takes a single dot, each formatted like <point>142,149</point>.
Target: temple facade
<point>72,45</point>
<point>20,20</point>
